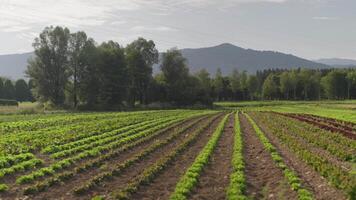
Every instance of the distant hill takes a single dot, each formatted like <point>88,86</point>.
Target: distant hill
<point>14,65</point>
<point>224,56</point>
<point>337,62</point>
<point>227,57</point>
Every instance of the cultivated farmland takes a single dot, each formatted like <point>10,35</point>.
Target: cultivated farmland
<point>230,154</point>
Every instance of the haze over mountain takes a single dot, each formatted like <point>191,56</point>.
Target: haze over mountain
<point>225,56</point>
<point>228,57</point>
<point>338,62</point>
<point>14,65</point>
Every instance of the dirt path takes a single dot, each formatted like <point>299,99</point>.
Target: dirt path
<point>216,176</point>
<point>163,185</point>
<point>264,179</point>
<point>312,179</point>
<point>64,191</point>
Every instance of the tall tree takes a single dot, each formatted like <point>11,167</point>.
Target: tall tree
<point>286,84</point>
<point>351,82</point>
<point>1,88</point>
<point>78,44</point>
<point>269,87</point>
<point>175,73</point>
<point>219,84</point>
<point>335,84</point>
<point>112,75</point>
<point>49,68</point>
<point>252,85</point>
<point>140,55</point>
<point>235,83</point>
<point>9,90</point>
<point>21,90</point>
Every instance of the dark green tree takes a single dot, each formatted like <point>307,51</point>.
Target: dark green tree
<point>49,68</point>
<point>270,88</point>
<point>175,73</point>
<point>78,60</point>
<point>21,90</point>
<point>140,56</point>
<point>9,90</point>
<point>113,75</point>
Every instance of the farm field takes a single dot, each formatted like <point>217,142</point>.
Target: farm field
<point>268,151</point>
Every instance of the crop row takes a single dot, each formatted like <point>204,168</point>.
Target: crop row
<point>50,170</point>
<point>343,148</point>
<point>190,178</point>
<point>338,177</point>
<point>20,167</point>
<point>110,137</point>
<point>41,186</point>
<point>120,167</point>
<point>347,133</point>
<point>290,175</point>
<point>151,172</point>
<point>236,188</point>
<point>27,141</point>
<point>8,161</point>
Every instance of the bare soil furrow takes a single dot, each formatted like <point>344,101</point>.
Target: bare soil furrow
<point>163,185</point>
<point>216,176</point>
<point>264,179</point>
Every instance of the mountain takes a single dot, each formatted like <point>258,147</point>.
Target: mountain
<point>228,57</point>
<point>224,56</point>
<point>338,62</point>
<point>14,65</point>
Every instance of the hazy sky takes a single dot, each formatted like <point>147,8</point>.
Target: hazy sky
<point>307,28</point>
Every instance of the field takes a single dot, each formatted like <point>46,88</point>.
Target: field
<point>254,150</point>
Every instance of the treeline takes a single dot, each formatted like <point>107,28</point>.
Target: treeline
<point>281,84</point>
<point>18,90</point>
<point>72,69</point>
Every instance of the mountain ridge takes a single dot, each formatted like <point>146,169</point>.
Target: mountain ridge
<point>225,56</point>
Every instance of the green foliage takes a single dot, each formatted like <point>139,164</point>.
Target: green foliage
<point>290,175</point>
<point>190,178</point>
<point>3,187</point>
<point>49,68</point>
<point>335,174</point>
<point>237,185</point>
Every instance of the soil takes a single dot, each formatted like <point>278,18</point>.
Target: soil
<point>312,179</point>
<point>264,179</point>
<point>216,177</point>
<point>164,184</point>
<point>135,170</point>
<point>63,191</point>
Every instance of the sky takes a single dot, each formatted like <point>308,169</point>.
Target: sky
<point>307,28</point>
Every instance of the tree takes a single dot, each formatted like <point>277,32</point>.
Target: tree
<point>243,83</point>
<point>219,85</point>
<point>78,58</point>
<point>351,82</point>
<point>235,83</point>
<point>89,74</point>
<point>269,88</point>
<point>286,84</point>
<point>252,85</point>
<point>294,80</point>
<point>49,68</point>
<point>9,90</point>
<point>335,84</point>
<point>305,76</point>
<point>21,90</point>
<point>140,55</point>
<point>112,74</point>
<point>175,73</point>
<point>1,88</point>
